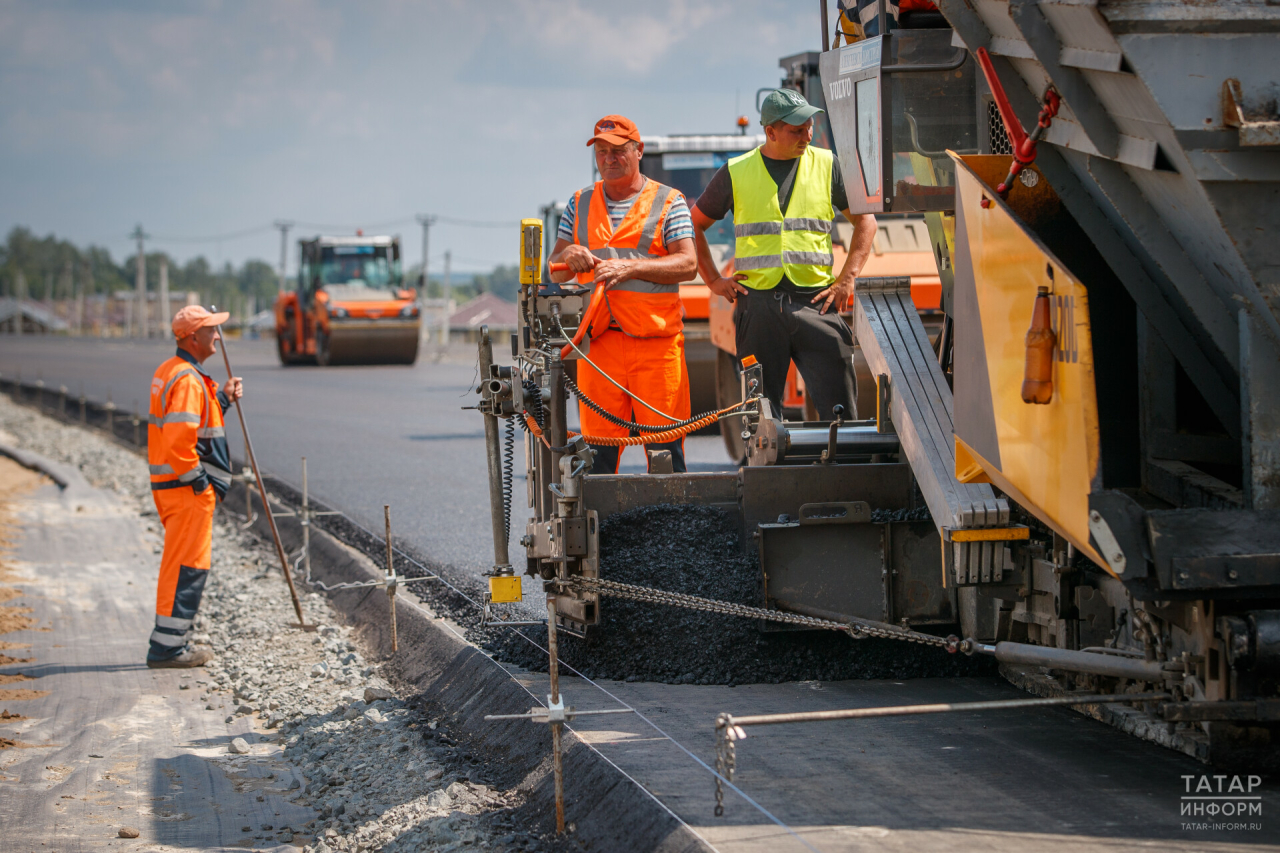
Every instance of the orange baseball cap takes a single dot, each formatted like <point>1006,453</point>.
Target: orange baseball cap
<point>615,130</point>
<point>193,317</point>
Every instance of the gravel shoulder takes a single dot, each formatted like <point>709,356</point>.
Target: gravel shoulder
<point>298,729</point>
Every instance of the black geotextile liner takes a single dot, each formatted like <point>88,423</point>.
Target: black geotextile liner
<point>689,549</point>
<point>697,550</point>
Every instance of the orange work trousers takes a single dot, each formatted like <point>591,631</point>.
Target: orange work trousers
<point>651,368</point>
<point>188,548</point>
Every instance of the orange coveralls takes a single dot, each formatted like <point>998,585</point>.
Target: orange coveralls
<point>639,341</point>
<point>189,462</point>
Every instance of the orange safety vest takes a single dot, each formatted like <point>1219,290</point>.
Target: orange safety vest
<point>641,309</point>
<point>186,436</point>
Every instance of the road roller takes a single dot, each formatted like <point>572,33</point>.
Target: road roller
<point>350,305</point>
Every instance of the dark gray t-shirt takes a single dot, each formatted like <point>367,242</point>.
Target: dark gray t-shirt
<point>716,200</point>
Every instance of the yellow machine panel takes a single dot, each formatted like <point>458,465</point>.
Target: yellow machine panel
<point>505,589</point>
<point>1046,457</point>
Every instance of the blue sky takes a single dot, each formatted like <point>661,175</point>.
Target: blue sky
<point>209,117</point>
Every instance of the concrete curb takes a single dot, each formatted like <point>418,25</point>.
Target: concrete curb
<point>76,491</point>
<point>611,812</point>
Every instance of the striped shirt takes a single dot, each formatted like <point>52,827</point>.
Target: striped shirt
<point>677,226</point>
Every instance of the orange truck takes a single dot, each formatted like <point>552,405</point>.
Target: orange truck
<point>350,305</point>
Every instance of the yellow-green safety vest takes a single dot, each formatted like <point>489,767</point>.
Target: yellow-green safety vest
<point>767,242</point>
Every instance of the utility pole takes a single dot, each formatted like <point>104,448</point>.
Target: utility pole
<point>165,326</point>
<point>426,221</point>
<point>284,225</point>
<point>140,284</point>
<point>448,285</point>
<point>20,285</point>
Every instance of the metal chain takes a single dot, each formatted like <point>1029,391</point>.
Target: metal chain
<point>856,628</point>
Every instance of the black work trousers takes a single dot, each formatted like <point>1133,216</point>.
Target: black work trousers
<point>779,327</point>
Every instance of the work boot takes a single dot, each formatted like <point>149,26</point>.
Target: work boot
<point>191,656</point>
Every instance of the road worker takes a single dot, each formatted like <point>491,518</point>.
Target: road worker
<point>786,298</point>
<point>190,468</point>
<point>633,237</point>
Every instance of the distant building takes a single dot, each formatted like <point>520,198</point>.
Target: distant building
<point>485,310</point>
<point>35,319</point>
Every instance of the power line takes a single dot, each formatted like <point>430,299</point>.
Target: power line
<point>217,238</point>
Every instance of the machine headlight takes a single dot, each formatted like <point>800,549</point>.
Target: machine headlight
<point>337,311</point>
<point>409,310</point>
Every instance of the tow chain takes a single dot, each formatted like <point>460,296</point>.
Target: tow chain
<point>856,628</point>
<point>726,735</point>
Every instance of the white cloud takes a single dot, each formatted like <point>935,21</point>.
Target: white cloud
<point>212,116</point>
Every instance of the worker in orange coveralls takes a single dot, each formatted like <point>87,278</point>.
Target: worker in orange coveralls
<point>632,236</point>
<point>190,465</point>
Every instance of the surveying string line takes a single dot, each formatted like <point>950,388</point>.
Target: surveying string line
<point>625,706</point>
<point>585,743</point>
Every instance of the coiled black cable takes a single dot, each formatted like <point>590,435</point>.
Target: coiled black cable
<point>533,403</point>
<point>508,470</point>
<point>622,422</point>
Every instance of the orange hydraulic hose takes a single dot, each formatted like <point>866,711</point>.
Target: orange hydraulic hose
<point>633,440</point>
<point>588,317</point>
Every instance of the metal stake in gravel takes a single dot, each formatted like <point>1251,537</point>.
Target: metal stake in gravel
<point>266,503</point>
<point>555,708</point>
<point>391,581</point>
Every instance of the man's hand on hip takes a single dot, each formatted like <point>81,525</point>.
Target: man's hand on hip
<point>838,293</point>
<point>729,288</point>
<point>234,389</point>
<point>578,258</point>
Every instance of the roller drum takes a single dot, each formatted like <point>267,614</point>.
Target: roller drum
<point>806,444</point>
<point>373,343</point>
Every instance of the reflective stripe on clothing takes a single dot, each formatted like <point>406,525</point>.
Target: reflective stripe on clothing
<point>640,308</point>
<point>770,243</point>
<point>174,418</point>
<point>185,426</point>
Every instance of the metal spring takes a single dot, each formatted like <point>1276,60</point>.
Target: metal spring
<point>508,454</point>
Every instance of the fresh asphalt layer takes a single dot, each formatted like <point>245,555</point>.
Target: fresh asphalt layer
<point>1006,781</point>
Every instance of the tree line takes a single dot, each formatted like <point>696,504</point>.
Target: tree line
<point>58,269</point>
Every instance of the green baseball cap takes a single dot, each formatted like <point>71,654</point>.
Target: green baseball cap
<point>786,105</point>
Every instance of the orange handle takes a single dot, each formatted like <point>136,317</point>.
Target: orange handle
<point>588,317</point>
<point>558,267</point>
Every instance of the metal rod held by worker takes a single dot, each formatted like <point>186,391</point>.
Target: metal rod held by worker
<point>553,669</point>
<point>262,489</point>
<point>391,581</point>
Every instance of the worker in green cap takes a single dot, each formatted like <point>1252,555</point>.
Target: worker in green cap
<point>787,297</point>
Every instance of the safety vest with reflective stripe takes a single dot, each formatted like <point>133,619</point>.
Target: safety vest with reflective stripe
<point>186,436</point>
<point>769,243</point>
<point>641,309</point>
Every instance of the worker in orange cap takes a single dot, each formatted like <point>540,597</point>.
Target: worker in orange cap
<point>633,237</point>
<point>190,465</point>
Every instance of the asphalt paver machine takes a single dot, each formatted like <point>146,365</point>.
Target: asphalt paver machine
<point>1081,475</point>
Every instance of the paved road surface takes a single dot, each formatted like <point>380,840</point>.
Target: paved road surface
<point>1012,781</point>
<point>371,435</point>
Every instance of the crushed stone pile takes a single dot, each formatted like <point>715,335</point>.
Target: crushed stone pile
<point>380,771</point>
<point>697,550</point>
